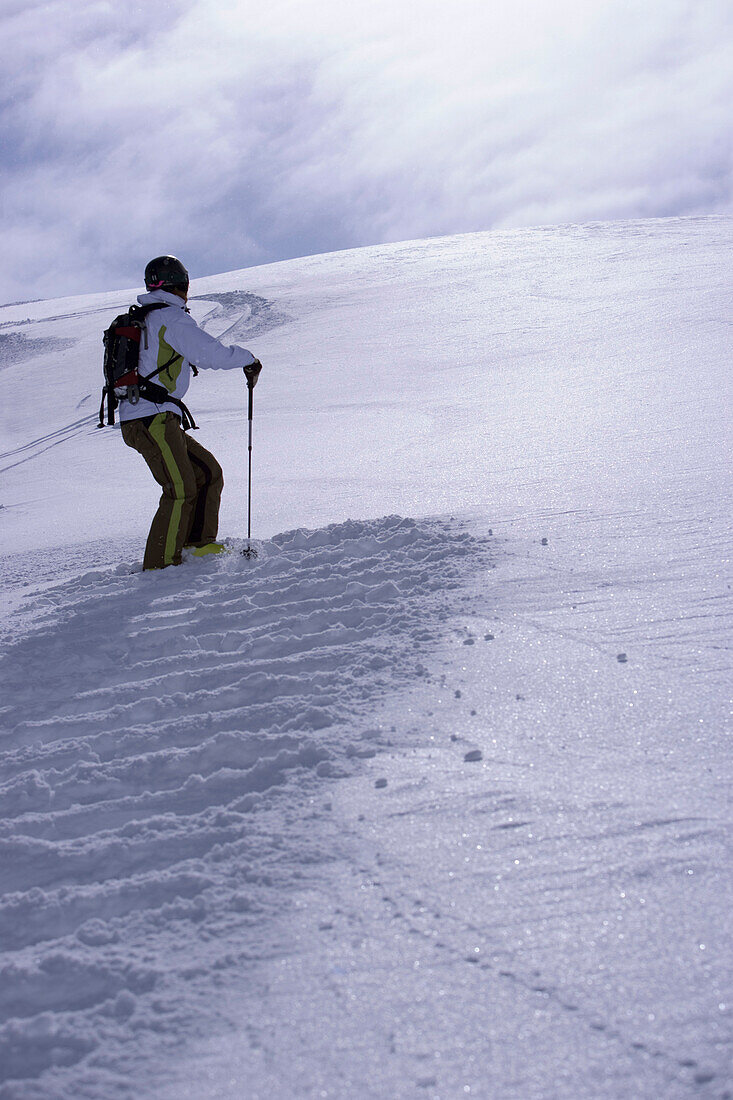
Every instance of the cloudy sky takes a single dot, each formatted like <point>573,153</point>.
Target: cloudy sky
<point>236,132</point>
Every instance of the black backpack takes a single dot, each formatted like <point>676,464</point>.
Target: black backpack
<point>121,358</point>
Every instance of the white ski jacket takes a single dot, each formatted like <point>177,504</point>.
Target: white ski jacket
<point>172,337</point>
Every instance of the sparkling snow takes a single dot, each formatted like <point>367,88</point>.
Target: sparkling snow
<point>433,798</point>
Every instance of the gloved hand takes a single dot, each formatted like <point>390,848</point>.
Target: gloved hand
<point>252,372</point>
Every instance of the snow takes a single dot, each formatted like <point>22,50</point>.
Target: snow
<point>431,798</point>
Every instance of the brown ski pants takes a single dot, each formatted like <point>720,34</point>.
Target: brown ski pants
<point>191,479</point>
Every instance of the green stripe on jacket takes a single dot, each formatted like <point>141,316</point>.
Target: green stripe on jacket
<point>168,377</point>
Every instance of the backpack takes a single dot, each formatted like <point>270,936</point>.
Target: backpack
<point>122,382</point>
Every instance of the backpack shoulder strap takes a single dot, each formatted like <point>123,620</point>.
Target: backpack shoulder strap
<point>141,312</point>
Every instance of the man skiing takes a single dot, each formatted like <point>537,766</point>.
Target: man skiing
<point>191,478</point>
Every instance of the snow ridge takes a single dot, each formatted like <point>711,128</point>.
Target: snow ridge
<point>147,718</point>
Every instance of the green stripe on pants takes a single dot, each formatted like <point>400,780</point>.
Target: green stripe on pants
<point>157,430</point>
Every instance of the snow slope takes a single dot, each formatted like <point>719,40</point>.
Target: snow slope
<point>432,806</point>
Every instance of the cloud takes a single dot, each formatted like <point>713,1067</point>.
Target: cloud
<point>239,133</point>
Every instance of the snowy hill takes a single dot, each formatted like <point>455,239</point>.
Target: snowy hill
<point>431,799</point>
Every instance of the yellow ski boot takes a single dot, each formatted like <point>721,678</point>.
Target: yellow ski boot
<point>208,548</point>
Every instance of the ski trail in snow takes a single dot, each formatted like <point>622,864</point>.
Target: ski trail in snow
<point>240,315</point>
<point>43,443</point>
<point>16,347</point>
<point>152,722</point>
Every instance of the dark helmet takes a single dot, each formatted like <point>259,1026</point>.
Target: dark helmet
<point>166,273</point>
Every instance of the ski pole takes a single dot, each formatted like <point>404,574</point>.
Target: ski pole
<point>251,372</point>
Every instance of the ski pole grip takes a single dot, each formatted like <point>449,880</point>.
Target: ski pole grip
<point>251,372</point>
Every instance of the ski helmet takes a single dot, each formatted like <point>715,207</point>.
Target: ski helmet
<point>166,273</point>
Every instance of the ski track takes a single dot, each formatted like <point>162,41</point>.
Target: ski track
<point>139,786</point>
<point>240,315</point>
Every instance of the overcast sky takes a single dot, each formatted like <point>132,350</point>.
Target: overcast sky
<point>236,132</point>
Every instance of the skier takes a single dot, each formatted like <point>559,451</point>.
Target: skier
<point>191,478</point>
